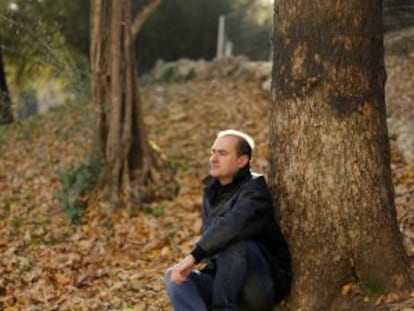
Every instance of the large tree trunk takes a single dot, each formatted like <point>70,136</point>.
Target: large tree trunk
<point>6,115</point>
<point>131,167</point>
<point>329,150</point>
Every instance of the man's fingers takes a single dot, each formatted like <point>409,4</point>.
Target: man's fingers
<point>180,271</point>
<point>178,276</point>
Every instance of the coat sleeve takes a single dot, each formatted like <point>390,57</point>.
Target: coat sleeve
<point>244,220</point>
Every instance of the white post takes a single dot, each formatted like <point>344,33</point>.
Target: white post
<point>221,36</point>
<point>228,48</point>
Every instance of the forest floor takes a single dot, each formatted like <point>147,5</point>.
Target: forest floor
<point>117,262</point>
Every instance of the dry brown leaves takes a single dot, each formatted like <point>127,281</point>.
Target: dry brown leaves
<point>117,262</point>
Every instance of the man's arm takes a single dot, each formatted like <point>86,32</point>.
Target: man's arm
<point>247,218</point>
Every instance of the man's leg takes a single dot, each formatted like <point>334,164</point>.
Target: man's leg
<point>231,271</point>
<point>260,292</point>
<point>192,295</point>
<point>243,276</point>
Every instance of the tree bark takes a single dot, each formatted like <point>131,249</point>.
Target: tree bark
<point>143,16</point>
<point>130,165</point>
<point>6,115</point>
<point>329,151</point>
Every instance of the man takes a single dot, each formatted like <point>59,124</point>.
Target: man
<point>248,262</point>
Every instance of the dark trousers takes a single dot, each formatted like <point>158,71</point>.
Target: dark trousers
<point>241,280</point>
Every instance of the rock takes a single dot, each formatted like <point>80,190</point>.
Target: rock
<point>399,42</point>
<point>239,68</point>
<point>263,70</point>
<point>394,126</point>
<point>181,70</point>
<point>405,141</point>
<point>161,69</point>
<point>201,68</point>
<point>184,66</point>
<point>266,85</point>
<point>226,67</point>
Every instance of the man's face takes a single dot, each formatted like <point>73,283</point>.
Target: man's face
<point>224,161</point>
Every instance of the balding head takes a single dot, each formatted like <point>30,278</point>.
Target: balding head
<point>245,143</point>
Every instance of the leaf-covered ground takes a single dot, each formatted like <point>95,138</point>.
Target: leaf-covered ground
<point>117,262</point>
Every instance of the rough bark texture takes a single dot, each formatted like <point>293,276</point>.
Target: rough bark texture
<point>330,156</point>
<point>6,115</point>
<point>131,167</point>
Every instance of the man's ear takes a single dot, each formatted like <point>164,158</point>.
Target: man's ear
<point>243,160</point>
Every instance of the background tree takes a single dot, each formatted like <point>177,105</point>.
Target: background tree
<point>142,17</point>
<point>398,14</point>
<point>71,19</point>
<point>6,115</point>
<point>330,155</point>
<point>168,36</point>
<point>35,50</point>
<point>133,171</point>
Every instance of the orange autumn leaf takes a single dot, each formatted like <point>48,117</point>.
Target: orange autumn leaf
<point>346,289</point>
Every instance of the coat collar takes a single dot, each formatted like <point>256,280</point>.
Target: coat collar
<point>244,172</point>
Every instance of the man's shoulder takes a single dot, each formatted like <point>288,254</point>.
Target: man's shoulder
<point>257,180</point>
<point>256,186</point>
<point>256,175</point>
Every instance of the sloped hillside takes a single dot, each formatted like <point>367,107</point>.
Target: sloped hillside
<point>117,262</point>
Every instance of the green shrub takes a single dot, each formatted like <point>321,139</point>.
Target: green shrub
<point>16,223</point>
<point>2,135</point>
<point>155,209</point>
<point>75,184</point>
<point>170,74</point>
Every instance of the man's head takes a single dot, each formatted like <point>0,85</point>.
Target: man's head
<point>231,151</point>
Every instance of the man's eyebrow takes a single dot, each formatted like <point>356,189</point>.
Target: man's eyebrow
<point>218,150</point>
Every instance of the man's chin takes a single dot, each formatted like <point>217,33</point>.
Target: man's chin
<point>213,173</point>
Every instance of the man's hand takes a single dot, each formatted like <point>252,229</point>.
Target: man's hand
<point>180,271</point>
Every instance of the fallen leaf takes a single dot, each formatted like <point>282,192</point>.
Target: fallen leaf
<point>62,279</point>
<point>346,289</point>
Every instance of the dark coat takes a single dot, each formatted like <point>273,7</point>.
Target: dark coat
<point>238,211</point>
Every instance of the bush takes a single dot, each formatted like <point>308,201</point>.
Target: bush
<point>75,185</point>
<point>171,74</point>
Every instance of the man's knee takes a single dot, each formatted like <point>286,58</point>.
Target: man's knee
<point>239,252</point>
<point>169,285</point>
<point>258,296</point>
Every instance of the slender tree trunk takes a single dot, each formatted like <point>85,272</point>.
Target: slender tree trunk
<point>130,165</point>
<point>143,16</point>
<point>329,151</point>
<point>6,115</point>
